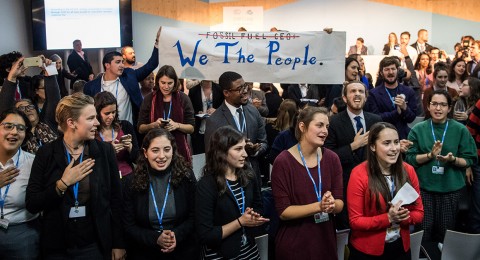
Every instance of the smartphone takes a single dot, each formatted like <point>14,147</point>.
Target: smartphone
<point>164,121</point>
<point>125,137</point>
<point>32,62</point>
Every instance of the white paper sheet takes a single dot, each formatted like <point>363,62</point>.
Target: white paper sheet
<point>51,69</point>
<point>407,194</point>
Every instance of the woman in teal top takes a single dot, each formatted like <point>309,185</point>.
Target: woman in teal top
<point>442,149</point>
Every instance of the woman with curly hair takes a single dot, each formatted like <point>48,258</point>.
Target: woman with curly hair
<point>228,201</point>
<point>158,211</point>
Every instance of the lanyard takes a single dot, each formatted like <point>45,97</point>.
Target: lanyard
<point>103,139</point>
<point>4,197</point>
<point>160,216</point>
<point>242,209</point>
<point>392,187</point>
<point>318,190</point>
<point>75,186</point>
<point>391,98</point>
<point>244,125</point>
<point>443,136</point>
<point>169,110</point>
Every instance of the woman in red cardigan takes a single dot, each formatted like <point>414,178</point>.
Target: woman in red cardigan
<point>380,230</point>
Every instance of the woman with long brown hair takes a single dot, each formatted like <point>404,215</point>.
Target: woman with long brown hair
<point>379,229</point>
<point>159,202</point>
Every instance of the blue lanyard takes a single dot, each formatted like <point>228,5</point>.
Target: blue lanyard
<point>242,209</point>
<point>391,98</point>
<point>392,187</point>
<point>75,186</point>
<point>103,139</point>
<point>318,190</point>
<point>169,110</point>
<point>443,136</point>
<point>160,216</point>
<point>4,197</point>
<point>244,125</point>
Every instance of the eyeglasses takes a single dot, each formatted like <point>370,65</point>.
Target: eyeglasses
<point>9,127</point>
<point>240,89</point>
<point>26,108</point>
<point>441,104</point>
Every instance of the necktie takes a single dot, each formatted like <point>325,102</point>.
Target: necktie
<point>240,119</point>
<point>358,123</point>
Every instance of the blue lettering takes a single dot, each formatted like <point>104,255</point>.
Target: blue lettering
<point>203,59</point>
<point>226,44</point>
<point>306,54</point>
<point>271,50</point>
<point>185,60</point>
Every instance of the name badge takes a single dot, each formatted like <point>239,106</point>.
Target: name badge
<point>438,169</point>
<point>77,212</point>
<point>321,217</point>
<point>4,223</point>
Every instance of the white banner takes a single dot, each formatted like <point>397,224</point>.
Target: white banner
<point>285,57</point>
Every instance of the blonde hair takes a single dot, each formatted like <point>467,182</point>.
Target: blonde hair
<point>71,107</point>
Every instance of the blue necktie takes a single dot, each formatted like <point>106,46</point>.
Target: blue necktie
<point>359,125</point>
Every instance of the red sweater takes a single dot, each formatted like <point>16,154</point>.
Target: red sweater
<point>368,225</point>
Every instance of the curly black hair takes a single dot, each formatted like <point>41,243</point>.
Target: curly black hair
<point>6,62</point>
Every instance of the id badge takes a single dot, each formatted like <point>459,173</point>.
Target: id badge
<point>4,223</point>
<point>77,212</point>
<point>438,169</point>
<point>244,240</point>
<point>321,217</point>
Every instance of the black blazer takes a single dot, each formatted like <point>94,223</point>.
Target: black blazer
<point>79,66</point>
<point>142,239</point>
<point>195,95</point>
<point>105,196</point>
<point>476,70</point>
<point>341,134</point>
<point>213,211</point>
<point>428,47</point>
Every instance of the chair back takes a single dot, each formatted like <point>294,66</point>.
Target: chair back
<point>198,161</point>
<point>342,241</point>
<point>262,244</point>
<point>415,244</point>
<point>457,245</point>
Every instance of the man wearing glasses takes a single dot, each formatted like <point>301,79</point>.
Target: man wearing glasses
<point>242,116</point>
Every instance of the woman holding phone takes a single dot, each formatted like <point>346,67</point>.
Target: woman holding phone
<point>119,133</point>
<point>168,108</point>
<point>379,229</point>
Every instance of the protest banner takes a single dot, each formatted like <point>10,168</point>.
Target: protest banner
<point>286,57</point>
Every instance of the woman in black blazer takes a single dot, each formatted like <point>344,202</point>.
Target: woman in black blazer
<point>75,182</point>
<point>228,202</point>
<point>159,202</point>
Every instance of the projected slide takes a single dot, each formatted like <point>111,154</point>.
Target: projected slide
<point>96,23</point>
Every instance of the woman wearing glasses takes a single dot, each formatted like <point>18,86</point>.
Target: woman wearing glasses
<point>75,183</point>
<point>442,149</point>
<point>168,108</point>
<point>43,124</point>
<point>19,229</point>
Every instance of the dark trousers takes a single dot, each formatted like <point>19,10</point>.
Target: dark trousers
<point>20,241</point>
<point>392,251</point>
<point>89,252</point>
<point>474,215</point>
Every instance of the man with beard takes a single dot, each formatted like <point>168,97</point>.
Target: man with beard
<point>129,58</point>
<point>440,79</point>
<point>395,103</point>
<point>348,135</point>
<point>242,116</point>
<point>421,44</point>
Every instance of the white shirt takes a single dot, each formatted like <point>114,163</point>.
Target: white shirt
<point>354,122</point>
<point>411,52</point>
<point>234,112</point>
<point>303,89</point>
<point>123,99</point>
<point>14,209</point>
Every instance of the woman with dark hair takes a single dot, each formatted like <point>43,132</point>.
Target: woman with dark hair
<point>441,151</point>
<point>119,133</point>
<point>469,95</point>
<point>168,108</point>
<point>19,229</point>
<point>424,70</point>
<point>457,74</point>
<point>159,202</point>
<point>391,44</point>
<point>352,69</point>
<point>228,203</point>
<point>272,98</point>
<point>307,189</point>
<point>379,229</point>
<point>361,69</point>
<point>75,184</point>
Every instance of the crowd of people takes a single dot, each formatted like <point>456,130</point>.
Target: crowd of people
<point>104,170</point>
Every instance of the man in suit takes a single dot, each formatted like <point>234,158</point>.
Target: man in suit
<point>206,97</point>
<point>244,117</point>
<point>394,102</point>
<point>421,44</point>
<point>473,66</point>
<point>78,63</point>
<point>257,99</point>
<point>123,83</point>
<point>358,48</point>
<point>348,134</point>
